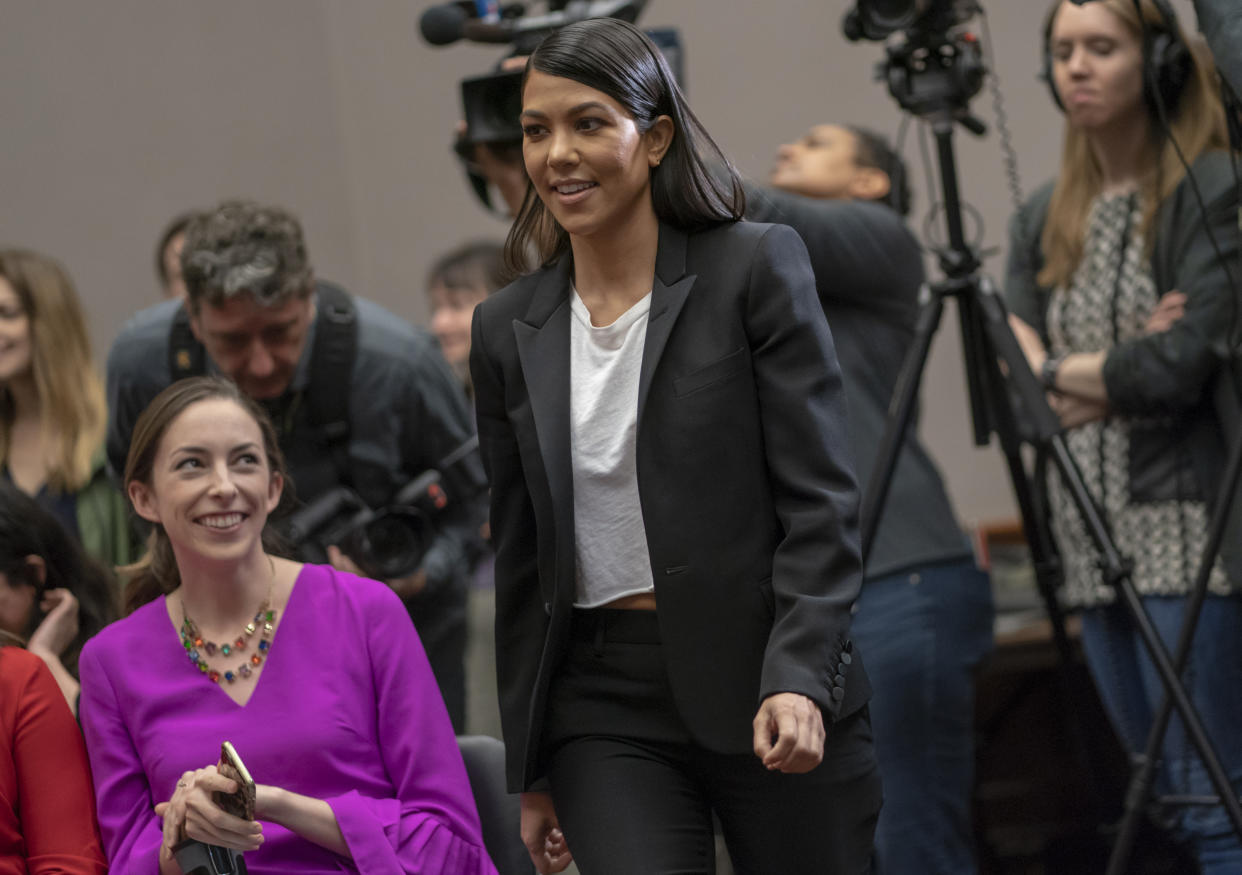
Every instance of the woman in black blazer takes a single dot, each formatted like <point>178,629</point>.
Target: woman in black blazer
<point>673,508</point>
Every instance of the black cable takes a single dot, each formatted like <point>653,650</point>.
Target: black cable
<point>899,148</point>
<point>1012,178</point>
<point>929,178</point>
<point>1162,116</point>
<point>1233,119</point>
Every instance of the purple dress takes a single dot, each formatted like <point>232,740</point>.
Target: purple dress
<point>345,710</point>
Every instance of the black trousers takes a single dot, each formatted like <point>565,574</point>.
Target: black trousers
<point>635,795</point>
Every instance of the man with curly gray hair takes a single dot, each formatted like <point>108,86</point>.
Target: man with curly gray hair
<point>360,398</point>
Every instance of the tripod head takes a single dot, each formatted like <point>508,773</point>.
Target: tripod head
<point>933,74</point>
<point>932,69</point>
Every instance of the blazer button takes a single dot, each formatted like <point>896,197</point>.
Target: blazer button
<point>838,693</point>
<point>839,681</point>
<point>547,608</point>
<point>846,657</point>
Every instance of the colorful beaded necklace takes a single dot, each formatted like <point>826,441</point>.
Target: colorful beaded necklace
<point>193,642</point>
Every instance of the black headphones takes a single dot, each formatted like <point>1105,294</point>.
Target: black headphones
<point>1167,61</point>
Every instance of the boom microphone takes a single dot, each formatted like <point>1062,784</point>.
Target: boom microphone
<point>443,24</point>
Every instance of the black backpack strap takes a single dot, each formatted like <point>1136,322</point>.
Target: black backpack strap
<point>185,354</point>
<point>331,373</point>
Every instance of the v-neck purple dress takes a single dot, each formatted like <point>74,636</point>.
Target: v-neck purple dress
<point>345,710</point>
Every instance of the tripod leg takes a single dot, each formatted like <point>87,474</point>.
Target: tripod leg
<point>1044,557</point>
<point>1118,575</point>
<point>1116,569</point>
<point>1144,777</point>
<point>900,409</point>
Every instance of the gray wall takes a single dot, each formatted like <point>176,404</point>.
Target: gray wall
<point>117,115</point>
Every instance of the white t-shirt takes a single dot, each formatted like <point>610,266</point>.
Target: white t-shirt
<point>612,557</point>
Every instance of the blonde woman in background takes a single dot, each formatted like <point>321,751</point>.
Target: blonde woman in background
<point>52,410</point>
<point>1124,306</point>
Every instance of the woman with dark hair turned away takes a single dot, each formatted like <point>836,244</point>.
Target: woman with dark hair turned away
<point>924,617</point>
<point>47,814</point>
<point>1125,308</point>
<point>52,415</point>
<point>51,594</point>
<point>318,678</point>
<point>673,510</point>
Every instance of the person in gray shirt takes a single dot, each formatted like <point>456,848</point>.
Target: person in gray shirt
<point>361,399</point>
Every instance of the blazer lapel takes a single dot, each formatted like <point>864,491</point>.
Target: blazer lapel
<point>668,294</point>
<point>543,349</point>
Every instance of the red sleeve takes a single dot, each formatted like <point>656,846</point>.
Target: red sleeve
<point>53,779</point>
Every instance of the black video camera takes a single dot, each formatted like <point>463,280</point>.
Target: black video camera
<point>390,541</point>
<point>492,102</point>
<point>937,66</point>
<point>879,19</point>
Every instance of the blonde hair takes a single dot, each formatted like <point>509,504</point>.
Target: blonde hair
<point>71,394</point>
<point>1196,122</point>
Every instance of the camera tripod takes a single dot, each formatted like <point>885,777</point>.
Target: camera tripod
<point>934,79</point>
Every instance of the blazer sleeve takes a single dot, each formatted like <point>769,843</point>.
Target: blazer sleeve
<point>53,783</point>
<point>430,825</point>
<point>1169,370</point>
<point>521,619</point>
<point>817,568</point>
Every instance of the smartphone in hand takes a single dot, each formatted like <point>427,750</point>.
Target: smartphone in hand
<point>241,803</point>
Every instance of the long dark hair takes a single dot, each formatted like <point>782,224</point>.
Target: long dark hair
<point>616,58</point>
<point>157,573</point>
<point>26,529</point>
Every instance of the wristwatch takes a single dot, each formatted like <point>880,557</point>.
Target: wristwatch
<point>1048,372</point>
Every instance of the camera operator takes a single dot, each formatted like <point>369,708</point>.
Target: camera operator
<point>1124,307</point>
<point>360,398</point>
<point>924,616</point>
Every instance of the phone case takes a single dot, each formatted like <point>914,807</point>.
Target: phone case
<point>241,803</point>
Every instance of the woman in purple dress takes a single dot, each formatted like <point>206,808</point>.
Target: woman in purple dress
<point>316,677</point>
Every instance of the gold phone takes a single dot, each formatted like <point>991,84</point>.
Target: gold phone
<point>241,803</point>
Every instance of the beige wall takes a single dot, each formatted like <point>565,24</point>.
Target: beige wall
<point>114,116</point>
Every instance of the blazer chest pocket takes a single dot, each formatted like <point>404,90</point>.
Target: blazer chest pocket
<point>709,375</point>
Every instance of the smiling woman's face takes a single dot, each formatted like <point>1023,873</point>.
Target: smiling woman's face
<point>211,485</point>
<point>585,156</point>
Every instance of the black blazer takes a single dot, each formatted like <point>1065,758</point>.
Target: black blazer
<point>748,495</point>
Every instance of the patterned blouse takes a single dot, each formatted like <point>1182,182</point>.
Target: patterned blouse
<point>1108,302</point>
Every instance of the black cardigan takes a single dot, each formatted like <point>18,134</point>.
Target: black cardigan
<point>1187,370</point>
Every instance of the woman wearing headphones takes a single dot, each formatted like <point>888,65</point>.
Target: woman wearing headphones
<point>1124,306</point>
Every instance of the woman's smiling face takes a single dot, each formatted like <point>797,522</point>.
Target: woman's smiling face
<point>585,155</point>
<point>211,487</point>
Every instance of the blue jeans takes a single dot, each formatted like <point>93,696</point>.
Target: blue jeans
<point>1131,692</point>
<point>922,633</point>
